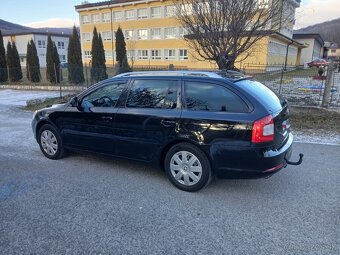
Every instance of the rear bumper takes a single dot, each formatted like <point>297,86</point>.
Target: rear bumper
<point>255,162</point>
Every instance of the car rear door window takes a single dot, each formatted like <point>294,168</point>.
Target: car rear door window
<point>161,94</point>
<point>200,96</point>
<point>106,96</point>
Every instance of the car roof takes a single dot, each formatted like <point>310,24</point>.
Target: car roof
<point>220,74</point>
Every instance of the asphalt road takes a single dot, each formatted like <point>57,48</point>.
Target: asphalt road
<point>87,204</point>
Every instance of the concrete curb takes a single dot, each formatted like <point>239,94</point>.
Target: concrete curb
<point>42,87</point>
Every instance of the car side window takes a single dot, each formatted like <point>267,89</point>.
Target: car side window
<point>161,94</point>
<point>200,96</point>
<point>106,96</point>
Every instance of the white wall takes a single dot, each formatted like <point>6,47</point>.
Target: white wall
<point>22,40</point>
<point>312,51</point>
<point>42,51</point>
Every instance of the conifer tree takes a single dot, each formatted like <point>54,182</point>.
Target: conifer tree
<point>121,57</point>
<point>9,60</point>
<point>16,63</point>
<point>28,62</point>
<point>98,69</point>
<point>125,68</point>
<point>74,59</point>
<point>35,66</point>
<point>53,73</point>
<point>32,63</point>
<point>57,63</point>
<point>50,72</point>
<point>120,46</point>
<point>3,62</point>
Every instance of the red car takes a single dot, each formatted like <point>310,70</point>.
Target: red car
<point>318,62</point>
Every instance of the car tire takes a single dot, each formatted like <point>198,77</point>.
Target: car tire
<point>187,167</point>
<point>50,142</point>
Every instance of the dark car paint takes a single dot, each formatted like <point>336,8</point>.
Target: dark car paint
<point>145,134</point>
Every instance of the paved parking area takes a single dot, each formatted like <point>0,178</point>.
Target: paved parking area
<point>86,204</point>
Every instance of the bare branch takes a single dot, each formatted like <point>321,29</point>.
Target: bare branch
<point>222,30</point>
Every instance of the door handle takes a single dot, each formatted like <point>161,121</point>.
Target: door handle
<point>168,123</point>
<point>106,118</point>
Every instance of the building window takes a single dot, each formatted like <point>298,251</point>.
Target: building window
<point>41,44</point>
<point>333,51</point>
<point>143,54</point>
<point>130,14</point>
<point>87,54</point>
<point>142,34</point>
<point>142,13</point>
<point>170,33</point>
<point>130,55</point>
<point>86,37</point>
<point>170,54</point>
<point>85,19</point>
<point>106,17</point>
<point>128,34</point>
<point>95,18</point>
<point>156,33</point>
<point>182,32</point>
<point>156,54</point>
<point>61,45</point>
<point>108,54</point>
<point>116,16</point>
<point>106,36</point>
<point>170,11</point>
<point>155,12</point>
<point>183,54</point>
<point>62,58</point>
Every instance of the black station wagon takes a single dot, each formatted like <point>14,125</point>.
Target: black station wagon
<point>194,124</point>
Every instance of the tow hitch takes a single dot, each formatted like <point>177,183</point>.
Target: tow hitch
<point>295,163</point>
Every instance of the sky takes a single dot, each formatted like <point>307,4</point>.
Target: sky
<point>61,13</point>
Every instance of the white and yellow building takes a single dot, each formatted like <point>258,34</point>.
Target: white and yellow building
<point>154,36</point>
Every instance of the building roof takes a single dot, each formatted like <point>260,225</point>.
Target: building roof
<point>108,3</point>
<point>315,36</point>
<point>38,31</point>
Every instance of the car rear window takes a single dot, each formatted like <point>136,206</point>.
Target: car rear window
<point>263,94</point>
<point>200,96</point>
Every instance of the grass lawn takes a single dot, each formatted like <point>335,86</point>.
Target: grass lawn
<point>315,119</point>
<point>48,102</point>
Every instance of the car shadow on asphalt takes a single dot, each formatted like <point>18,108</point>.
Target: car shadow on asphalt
<point>137,169</point>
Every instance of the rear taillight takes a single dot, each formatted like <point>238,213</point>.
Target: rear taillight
<point>263,130</point>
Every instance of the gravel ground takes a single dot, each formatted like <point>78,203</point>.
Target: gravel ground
<point>86,204</point>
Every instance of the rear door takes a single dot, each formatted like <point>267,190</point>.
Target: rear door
<point>217,118</point>
<point>148,119</point>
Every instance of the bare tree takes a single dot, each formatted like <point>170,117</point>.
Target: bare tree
<point>131,47</point>
<point>222,31</point>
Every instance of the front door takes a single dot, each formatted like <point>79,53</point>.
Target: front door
<point>90,126</point>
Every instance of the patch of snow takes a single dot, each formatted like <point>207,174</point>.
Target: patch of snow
<point>317,137</point>
<point>11,97</point>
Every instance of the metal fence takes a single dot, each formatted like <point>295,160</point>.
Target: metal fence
<point>299,85</point>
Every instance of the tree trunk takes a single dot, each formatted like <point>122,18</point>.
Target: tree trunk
<point>225,64</point>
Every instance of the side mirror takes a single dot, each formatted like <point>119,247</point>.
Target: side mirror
<point>74,102</point>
